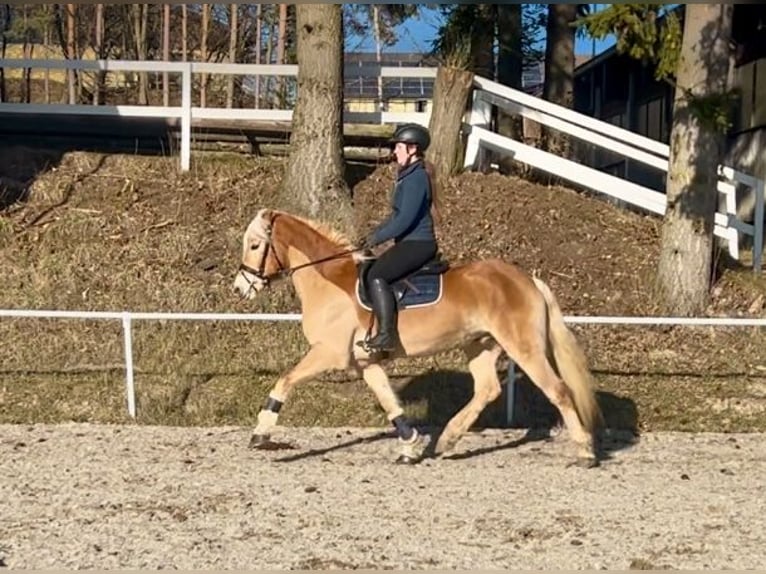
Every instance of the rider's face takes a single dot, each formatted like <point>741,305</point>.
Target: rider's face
<point>403,152</point>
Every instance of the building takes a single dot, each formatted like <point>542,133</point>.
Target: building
<point>361,89</point>
<point>621,90</point>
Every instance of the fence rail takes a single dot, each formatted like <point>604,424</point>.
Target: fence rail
<point>187,112</point>
<point>128,317</point>
<point>488,94</point>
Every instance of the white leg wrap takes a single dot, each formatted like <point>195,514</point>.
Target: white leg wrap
<point>267,420</point>
<point>411,447</point>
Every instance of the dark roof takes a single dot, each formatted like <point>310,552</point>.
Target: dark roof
<point>388,58</point>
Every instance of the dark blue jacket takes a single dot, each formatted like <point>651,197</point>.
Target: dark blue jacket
<point>411,216</point>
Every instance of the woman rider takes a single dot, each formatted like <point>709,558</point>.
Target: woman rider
<point>410,225</point>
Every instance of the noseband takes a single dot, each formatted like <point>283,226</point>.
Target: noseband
<point>260,272</point>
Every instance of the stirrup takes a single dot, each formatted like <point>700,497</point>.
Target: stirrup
<point>376,345</point>
<point>369,346</point>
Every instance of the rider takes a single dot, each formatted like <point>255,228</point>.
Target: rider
<point>410,225</point>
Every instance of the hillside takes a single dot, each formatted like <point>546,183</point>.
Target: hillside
<point>125,232</point>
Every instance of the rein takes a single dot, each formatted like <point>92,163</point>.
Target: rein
<point>288,271</point>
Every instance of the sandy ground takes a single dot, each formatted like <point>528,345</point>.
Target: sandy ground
<point>87,496</point>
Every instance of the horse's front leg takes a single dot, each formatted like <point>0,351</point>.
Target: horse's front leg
<point>318,360</point>
<point>409,439</point>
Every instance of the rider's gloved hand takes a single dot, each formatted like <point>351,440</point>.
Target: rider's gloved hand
<point>364,243</point>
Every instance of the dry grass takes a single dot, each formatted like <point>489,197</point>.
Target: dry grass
<point>118,232</point>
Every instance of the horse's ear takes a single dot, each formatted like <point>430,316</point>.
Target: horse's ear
<point>266,217</point>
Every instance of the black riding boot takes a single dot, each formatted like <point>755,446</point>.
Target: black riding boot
<point>384,307</point>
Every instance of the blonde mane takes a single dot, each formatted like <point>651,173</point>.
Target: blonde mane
<point>323,229</point>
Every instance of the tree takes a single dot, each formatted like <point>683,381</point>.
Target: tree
<point>454,49</point>
<point>382,20</point>
<point>696,146</point>
<point>697,63</point>
<point>559,65</point>
<point>510,63</point>
<point>314,176</point>
<point>71,50</point>
<point>6,20</point>
<point>233,38</point>
<point>466,41</point>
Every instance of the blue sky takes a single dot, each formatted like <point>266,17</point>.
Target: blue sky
<point>416,35</point>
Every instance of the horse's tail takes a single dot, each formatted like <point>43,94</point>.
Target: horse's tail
<point>571,362</point>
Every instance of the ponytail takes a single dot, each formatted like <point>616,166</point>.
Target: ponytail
<point>435,192</point>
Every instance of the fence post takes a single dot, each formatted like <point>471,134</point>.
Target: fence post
<point>481,116</point>
<point>731,214</point>
<point>129,387</point>
<point>186,116</point>
<point>760,189</point>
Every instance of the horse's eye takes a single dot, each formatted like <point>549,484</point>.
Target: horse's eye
<point>254,246</point>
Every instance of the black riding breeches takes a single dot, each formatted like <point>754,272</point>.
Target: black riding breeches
<point>402,259</point>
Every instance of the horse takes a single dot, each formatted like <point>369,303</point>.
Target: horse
<point>486,307</point>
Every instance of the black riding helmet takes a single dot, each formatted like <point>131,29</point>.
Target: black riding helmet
<point>411,134</point>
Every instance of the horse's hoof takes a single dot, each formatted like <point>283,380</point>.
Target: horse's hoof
<point>259,440</point>
<point>430,452</point>
<point>404,459</point>
<point>586,462</point>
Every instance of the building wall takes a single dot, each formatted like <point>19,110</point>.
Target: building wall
<point>394,105</point>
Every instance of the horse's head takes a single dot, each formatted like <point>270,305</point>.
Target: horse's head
<point>259,259</point>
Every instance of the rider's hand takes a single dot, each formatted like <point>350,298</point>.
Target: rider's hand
<point>363,243</point>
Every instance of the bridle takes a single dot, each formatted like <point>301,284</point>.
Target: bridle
<point>282,272</point>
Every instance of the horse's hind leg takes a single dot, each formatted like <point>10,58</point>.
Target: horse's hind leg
<point>482,357</point>
<point>530,356</point>
<point>409,439</point>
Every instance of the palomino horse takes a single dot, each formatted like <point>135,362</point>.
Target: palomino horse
<point>486,307</point>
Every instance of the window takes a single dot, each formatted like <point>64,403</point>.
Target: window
<point>759,95</point>
<point>745,80</point>
<point>642,119</point>
<point>751,79</point>
<point>655,119</point>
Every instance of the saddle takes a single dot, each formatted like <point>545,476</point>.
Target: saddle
<point>421,288</point>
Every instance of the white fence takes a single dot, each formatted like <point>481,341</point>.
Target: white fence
<point>187,112</point>
<point>127,318</point>
<point>612,138</point>
<point>486,95</point>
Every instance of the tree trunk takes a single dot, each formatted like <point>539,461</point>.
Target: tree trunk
<point>165,53</point>
<point>100,75</point>
<point>203,54</point>
<point>482,41</point>
<point>258,32</point>
<point>314,177</point>
<point>3,44</point>
<point>685,266</point>
<point>233,25</point>
<point>451,90</point>
<point>509,71</point>
<point>140,17</point>
<point>559,68</point>
<point>70,49</point>
<point>269,51</point>
<point>378,54</point>
<point>184,33</point>
<point>279,100</point>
